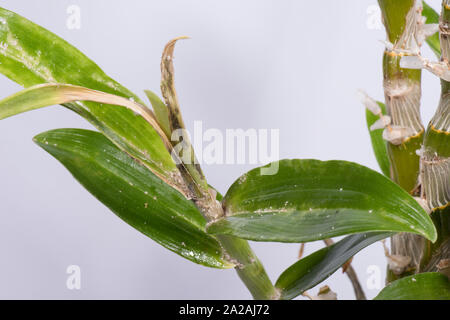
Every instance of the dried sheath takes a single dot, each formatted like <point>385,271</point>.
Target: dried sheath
<point>182,147</point>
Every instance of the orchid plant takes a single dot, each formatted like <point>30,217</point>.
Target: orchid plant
<point>133,166</point>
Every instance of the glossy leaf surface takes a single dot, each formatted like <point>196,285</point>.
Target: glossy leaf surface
<point>315,268</point>
<point>134,194</point>
<point>422,286</point>
<point>309,200</point>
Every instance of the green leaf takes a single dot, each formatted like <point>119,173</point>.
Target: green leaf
<point>432,17</point>
<point>161,111</point>
<point>219,196</point>
<point>422,286</point>
<point>31,55</point>
<point>134,194</point>
<point>309,200</point>
<point>378,143</point>
<point>315,268</point>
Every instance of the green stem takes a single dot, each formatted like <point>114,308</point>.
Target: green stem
<point>435,170</point>
<point>394,16</point>
<point>249,268</point>
<point>402,89</point>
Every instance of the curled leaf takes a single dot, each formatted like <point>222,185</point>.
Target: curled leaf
<point>168,85</point>
<point>31,55</point>
<point>44,95</point>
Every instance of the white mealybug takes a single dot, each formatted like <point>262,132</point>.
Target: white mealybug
<point>396,134</point>
<point>426,30</point>
<point>381,123</point>
<point>412,62</point>
<point>368,102</point>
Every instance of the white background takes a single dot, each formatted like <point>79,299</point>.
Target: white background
<point>292,65</point>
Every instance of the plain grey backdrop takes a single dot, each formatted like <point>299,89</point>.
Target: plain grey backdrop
<point>292,65</point>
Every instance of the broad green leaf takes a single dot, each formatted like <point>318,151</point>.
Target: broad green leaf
<point>432,17</point>
<point>422,286</point>
<point>31,55</point>
<point>378,143</point>
<point>309,200</point>
<point>315,268</point>
<point>134,194</point>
